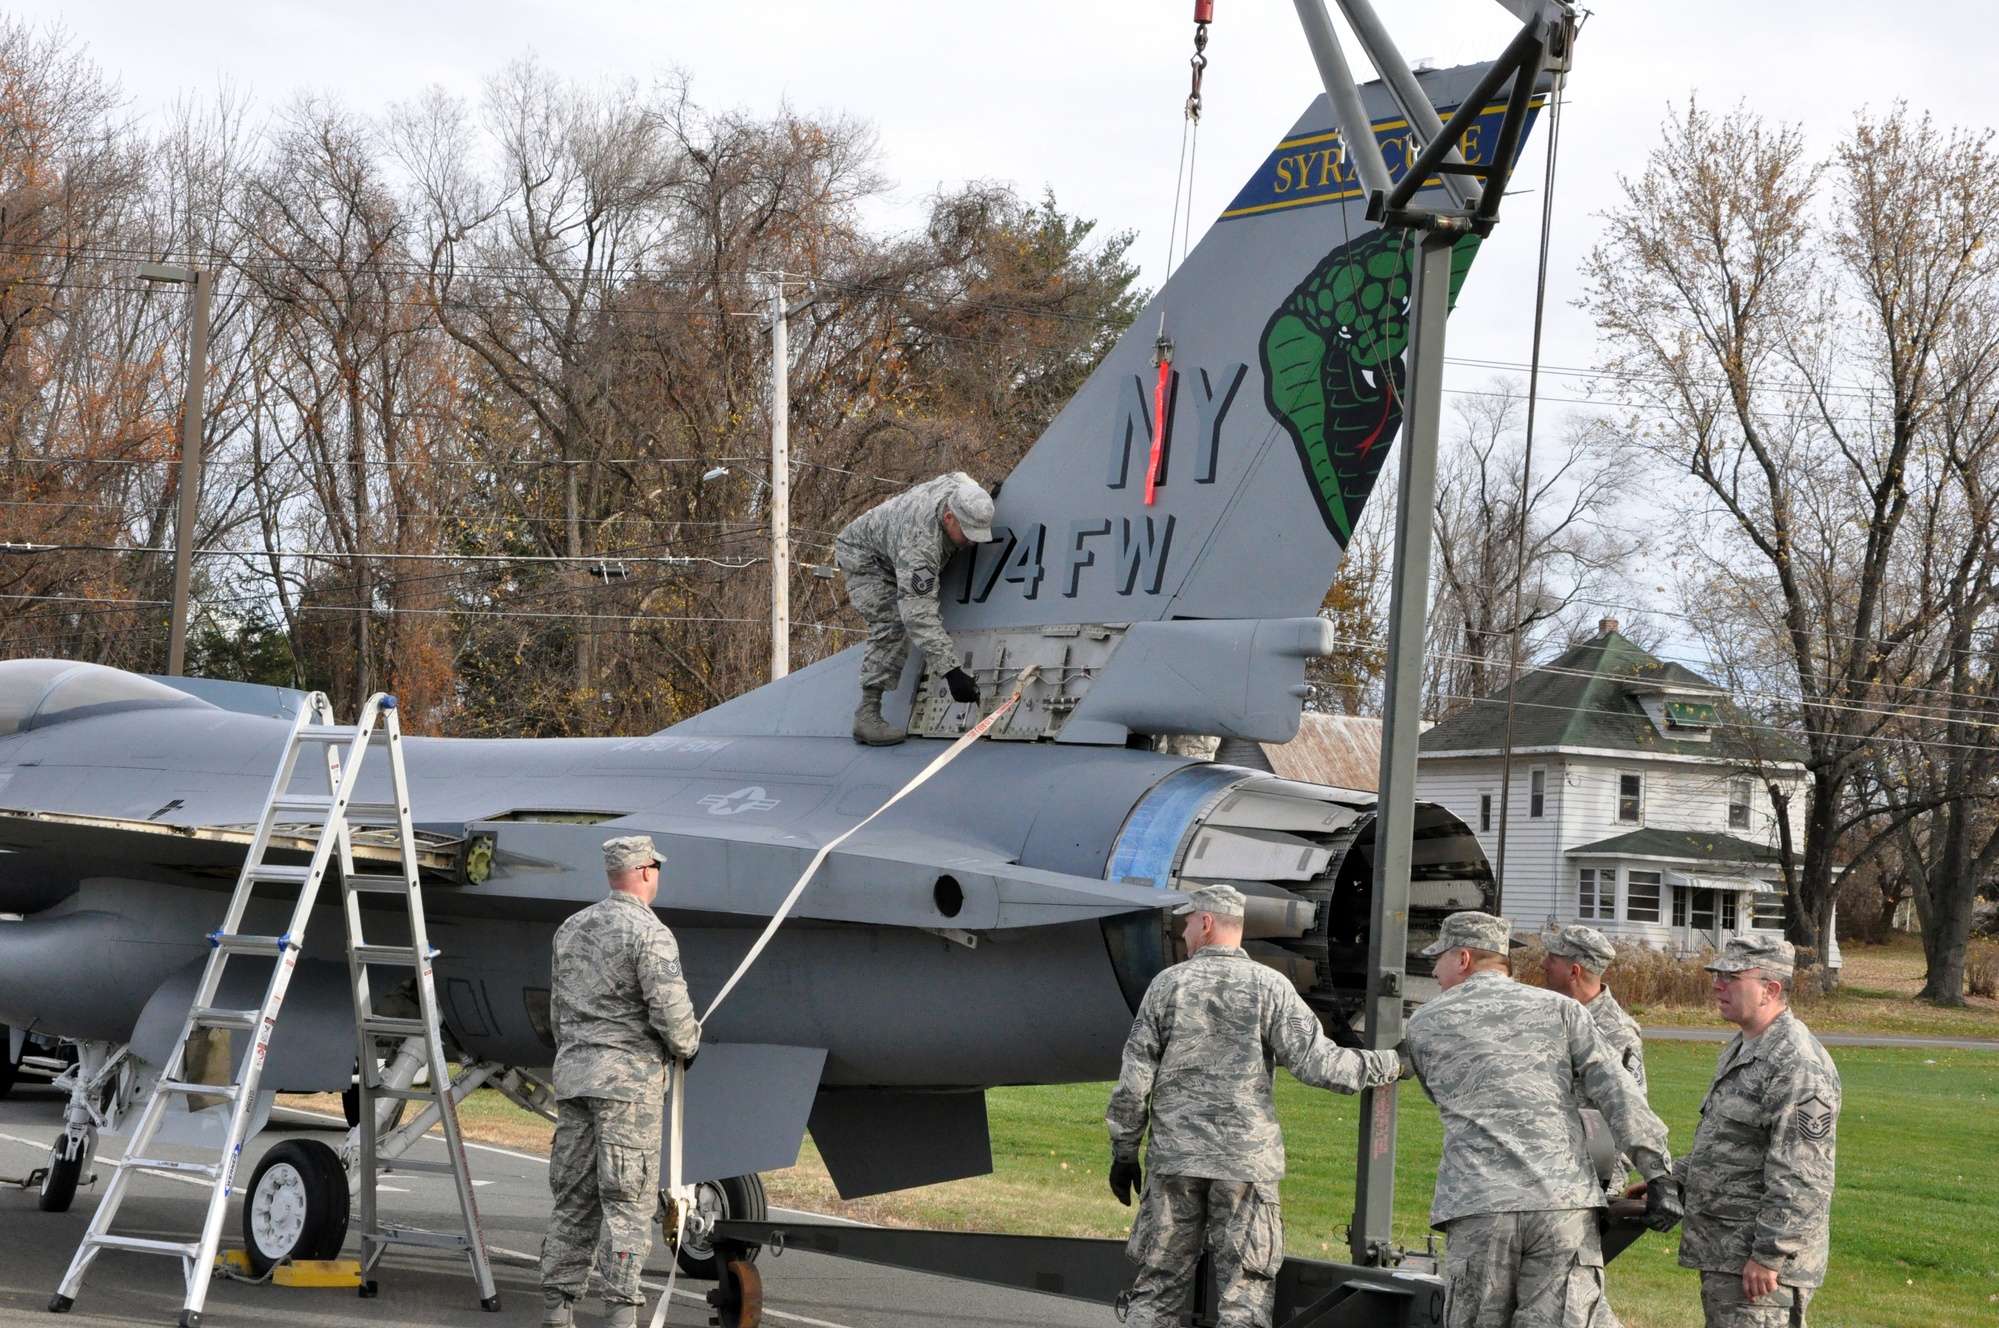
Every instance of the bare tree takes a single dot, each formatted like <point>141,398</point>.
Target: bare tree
<point>1799,370</point>
<point>1507,573</point>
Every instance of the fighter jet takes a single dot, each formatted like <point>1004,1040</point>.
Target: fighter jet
<point>1000,925</point>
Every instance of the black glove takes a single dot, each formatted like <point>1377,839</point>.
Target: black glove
<point>688,1063</point>
<point>1408,1064</point>
<point>1665,1204</point>
<point>1125,1177</point>
<point>961,685</point>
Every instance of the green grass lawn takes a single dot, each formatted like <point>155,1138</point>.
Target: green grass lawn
<point>1915,1225</point>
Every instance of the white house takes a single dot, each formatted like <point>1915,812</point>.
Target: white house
<point>1640,800</point>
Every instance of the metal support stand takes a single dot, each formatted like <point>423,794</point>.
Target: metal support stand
<point>1372,1233</point>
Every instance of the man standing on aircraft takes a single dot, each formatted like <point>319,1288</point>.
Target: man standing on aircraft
<point>1516,1195</point>
<point>620,1010</point>
<point>1759,1177</point>
<point>893,557</point>
<point>1198,1066</point>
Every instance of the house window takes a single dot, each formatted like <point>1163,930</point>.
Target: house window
<point>1631,798</point>
<point>1641,896</point>
<point>1740,790</point>
<point>1769,914</point>
<point>1485,811</point>
<point>1680,907</point>
<point>1728,907</point>
<point>1586,893</point>
<point>1537,792</point>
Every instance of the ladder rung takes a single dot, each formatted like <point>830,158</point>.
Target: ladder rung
<point>141,1245</point>
<point>340,733</point>
<point>385,954</point>
<point>376,883</point>
<point>230,1091</point>
<point>381,1027</point>
<point>156,1164</point>
<point>328,733</point>
<point>375,812</point>
<point>208,1016</point>
<point>251,945</point>
<point>270,873</point>
<point>317,803</point>
<point>430,1239</point>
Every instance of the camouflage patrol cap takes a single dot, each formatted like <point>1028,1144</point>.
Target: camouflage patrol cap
<point>1474,931</point>
<point>973,507</point>
<point>1586,945</point>
<point>1772,955</point>
<point>629,851</point>
<point>1224,901</point>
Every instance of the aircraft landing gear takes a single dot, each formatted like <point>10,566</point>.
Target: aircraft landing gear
<point>734,1199</point>
<point>65,1169</point>
<point>295,1206</point>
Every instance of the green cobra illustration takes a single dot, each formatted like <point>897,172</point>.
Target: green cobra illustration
<point>1332,366</point>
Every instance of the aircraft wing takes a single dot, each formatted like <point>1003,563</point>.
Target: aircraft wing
<point>898,880</point>
<point>154,850</point>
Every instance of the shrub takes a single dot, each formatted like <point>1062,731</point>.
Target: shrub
<point>1981,969</point>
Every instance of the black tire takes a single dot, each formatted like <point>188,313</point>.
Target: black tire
<point>295,1206</point>
<point>60,1182</point>
<point>739,1199</point>
<point>350,1107</point>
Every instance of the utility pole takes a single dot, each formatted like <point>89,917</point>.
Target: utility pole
<point>203,282</point>
<point>780,483</point>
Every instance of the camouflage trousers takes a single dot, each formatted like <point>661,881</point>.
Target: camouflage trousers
<point>1725,1306</point>
<point>1240,1224</point>
<point>1523,1270</point>
<point>873,596</point>
<point>604,1173</point>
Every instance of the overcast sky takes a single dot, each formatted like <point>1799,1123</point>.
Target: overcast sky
<point>1084,97</point>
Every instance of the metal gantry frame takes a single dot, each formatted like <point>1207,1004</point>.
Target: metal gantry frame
<point>1540,47</point>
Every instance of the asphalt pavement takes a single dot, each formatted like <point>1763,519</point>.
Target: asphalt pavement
<point>801,1290</point>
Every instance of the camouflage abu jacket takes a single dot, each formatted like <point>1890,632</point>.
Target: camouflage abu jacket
<point>618,1002</point>
<point>1202,1049</point>
<point>1759,1176</point>
<point>903,540</point>
<point>1501,1061</point>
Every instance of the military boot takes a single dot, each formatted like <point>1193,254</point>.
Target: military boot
<point>555,1311</point>
<point>869,726</point>
<point>622,1314</point>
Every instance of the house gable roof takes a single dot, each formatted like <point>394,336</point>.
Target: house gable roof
<point>1588,697</point>
<point>1686,845</point>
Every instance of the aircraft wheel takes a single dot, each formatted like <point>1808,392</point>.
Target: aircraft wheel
<point>738,1296</point>
<point>350,1107</point>
<point>737,1198</point>
<point>10,1069</point>
<point>295,1206</point>
<point>59,1182</point>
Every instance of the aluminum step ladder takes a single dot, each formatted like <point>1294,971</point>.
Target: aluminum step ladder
<point>334,813</point>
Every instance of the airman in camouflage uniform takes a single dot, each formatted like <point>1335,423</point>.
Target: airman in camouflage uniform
<point>1760,1174</point>
<point>619,1007</point>
<point>1198,1066</point>
<point>1516,1194</point>
<point>1577,958</point>
<point>893,558</point>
